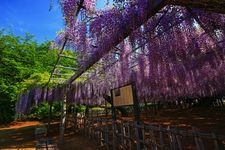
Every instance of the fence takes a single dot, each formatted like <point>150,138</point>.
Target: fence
<point>120,134</point>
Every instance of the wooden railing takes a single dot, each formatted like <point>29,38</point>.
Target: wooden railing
<point>119,134</point>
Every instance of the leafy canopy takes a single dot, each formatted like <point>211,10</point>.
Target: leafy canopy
<point>24,64</point>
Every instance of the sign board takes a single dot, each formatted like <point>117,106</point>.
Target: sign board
<point>123,96</point>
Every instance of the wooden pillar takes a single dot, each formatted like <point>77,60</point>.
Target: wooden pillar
<point>49,116</point>
<point>136,104</point>
<point>113,121</point>
<point>106,109</point>
<point>112,106</point>
<point>87,111</point>
<point>63,117</point>
<point>137,116</point>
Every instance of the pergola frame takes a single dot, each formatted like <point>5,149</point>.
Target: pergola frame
<point>209,5</point>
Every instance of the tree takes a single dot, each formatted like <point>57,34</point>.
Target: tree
<point>24,64</point>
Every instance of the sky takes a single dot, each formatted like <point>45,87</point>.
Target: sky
<point>33,16</point>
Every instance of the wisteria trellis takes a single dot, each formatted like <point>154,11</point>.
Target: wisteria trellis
<point>178,52</point>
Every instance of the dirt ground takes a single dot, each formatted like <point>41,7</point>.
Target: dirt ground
<point>20,135</point>
<point>205,119</point>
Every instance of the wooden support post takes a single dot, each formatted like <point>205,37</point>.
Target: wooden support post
<point>89,128</point>
<point>86,120</point>
<point>129,135</point>
<point>106,140</point>
<point>115,143</point>
<point>136,105</point>
<point>109,99</point>
<point>49,117</point>
<point>143,135</point>
<point>198,141</point>
<point>178,139</point>
<point>74,118</point>
<point>101,137</point>
<point>161,137</point>
<point>171,138</point>
<point>63,117</point>
<point>146,107</point>
<point>137,116</point>
<point>106,109</point>
<point>216,144</point>
<point>153,139</point>
<point>113,121</point>
<point>122,130</point>
<point>137,136</point>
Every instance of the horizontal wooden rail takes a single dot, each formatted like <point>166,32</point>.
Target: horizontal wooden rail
<point>122,134</point>
<point>61,74</point>
<point>70,57</point>
<point>70,68</point>
<point>216,6</point>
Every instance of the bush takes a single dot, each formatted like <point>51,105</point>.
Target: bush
<point>42,111</point>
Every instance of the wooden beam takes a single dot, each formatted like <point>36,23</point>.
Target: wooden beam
<point>217,6</point>
<point>64,44</point>
<point>58,79</point>
<point>63,117</point>
<point>57,61</point>
<point>49,117</point>
<point>61,74</point>
<point>61,55</point>
<point>70,68</point>
<point>152,8</point>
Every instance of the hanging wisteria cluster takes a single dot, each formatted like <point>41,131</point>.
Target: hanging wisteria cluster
<point>77,93</point>
<point>177,52</point>
<point>30,98</point>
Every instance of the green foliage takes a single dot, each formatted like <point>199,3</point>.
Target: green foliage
<point>42,111</point>
<point>23,64</point>
<point>39,112</point>
<point>80,108</point>
<point>97,108</point>
<point>35,79</point>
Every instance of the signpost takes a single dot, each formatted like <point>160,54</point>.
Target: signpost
<point>127,96</point>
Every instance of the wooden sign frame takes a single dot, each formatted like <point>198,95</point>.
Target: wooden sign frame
<point>123,96</point>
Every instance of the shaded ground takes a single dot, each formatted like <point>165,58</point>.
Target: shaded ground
<point>20,135</point>
<point>205,119</point>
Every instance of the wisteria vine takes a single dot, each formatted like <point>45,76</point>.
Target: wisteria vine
<point>177,53</point>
